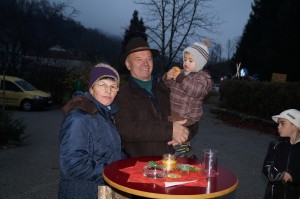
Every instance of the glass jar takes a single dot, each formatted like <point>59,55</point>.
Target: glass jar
<point>155,172</point>
<point>169,162</point>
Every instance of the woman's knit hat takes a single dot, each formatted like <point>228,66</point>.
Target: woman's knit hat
<point>200,53</point>
<point>291,115</point>
<point>101,71</point>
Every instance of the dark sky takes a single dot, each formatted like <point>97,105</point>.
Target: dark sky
<point>112,16</point>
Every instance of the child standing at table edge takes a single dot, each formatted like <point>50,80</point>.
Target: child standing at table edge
<point>282,162</point>
<point>189,86</point>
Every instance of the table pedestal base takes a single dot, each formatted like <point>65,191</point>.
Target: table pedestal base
<point>106,192</point>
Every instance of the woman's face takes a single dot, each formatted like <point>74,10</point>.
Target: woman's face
<point>105,91</point>
<point>140,64</point>
<point>189,62</point>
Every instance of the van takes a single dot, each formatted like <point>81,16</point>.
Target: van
<point>17,92</point>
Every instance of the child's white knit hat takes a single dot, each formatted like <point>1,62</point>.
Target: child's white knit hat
<point>200,53</point>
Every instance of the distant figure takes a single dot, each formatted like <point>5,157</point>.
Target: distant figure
<point>282,163</point>
<point>79,84</point>
<point>78,88</point>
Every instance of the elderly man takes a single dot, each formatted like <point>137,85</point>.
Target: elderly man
<point>144,107</point>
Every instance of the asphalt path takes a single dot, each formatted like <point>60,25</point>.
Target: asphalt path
<point>31,171</point>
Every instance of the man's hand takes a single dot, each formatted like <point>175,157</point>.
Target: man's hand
<point>180,133</point>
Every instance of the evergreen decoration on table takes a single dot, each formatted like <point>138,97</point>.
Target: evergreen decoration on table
<point>186,168</point>
<point>152,163</point>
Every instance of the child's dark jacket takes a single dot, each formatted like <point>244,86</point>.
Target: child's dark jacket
<point>282,157</point>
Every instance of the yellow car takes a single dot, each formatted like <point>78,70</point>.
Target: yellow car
<point>17,92</point>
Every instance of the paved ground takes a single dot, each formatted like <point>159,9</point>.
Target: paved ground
<point>31,170</point>
<point>241,150</point>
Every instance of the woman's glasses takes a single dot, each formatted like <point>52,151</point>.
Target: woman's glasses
<point>104,86</point>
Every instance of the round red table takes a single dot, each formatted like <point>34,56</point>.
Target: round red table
<point>225,182</point>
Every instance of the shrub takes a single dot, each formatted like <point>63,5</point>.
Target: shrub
<point>261,99</point>
<point>11,129</point>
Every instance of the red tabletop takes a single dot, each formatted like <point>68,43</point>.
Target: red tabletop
<point>225,182</point>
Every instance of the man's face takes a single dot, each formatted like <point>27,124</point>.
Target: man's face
<point>140,64</point>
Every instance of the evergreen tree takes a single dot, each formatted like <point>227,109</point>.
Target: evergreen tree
<point>136,28</point>
<point>269,41</point>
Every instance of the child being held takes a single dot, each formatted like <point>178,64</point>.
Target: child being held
<point>189,86</point>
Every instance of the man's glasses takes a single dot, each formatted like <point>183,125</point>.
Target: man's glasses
<point>104,86</point>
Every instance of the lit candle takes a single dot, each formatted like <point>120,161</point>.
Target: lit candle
<point>169,162</point>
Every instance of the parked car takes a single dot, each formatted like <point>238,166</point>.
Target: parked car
<point>17,92</point>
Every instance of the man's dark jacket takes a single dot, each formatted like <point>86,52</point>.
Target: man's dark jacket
<point>142,119</point>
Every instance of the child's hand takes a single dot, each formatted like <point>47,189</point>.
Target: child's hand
<point>173,73</point>
<point>287,177</point>
<point>170,74</point>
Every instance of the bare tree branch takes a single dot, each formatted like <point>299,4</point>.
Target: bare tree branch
<point>173,24</point>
